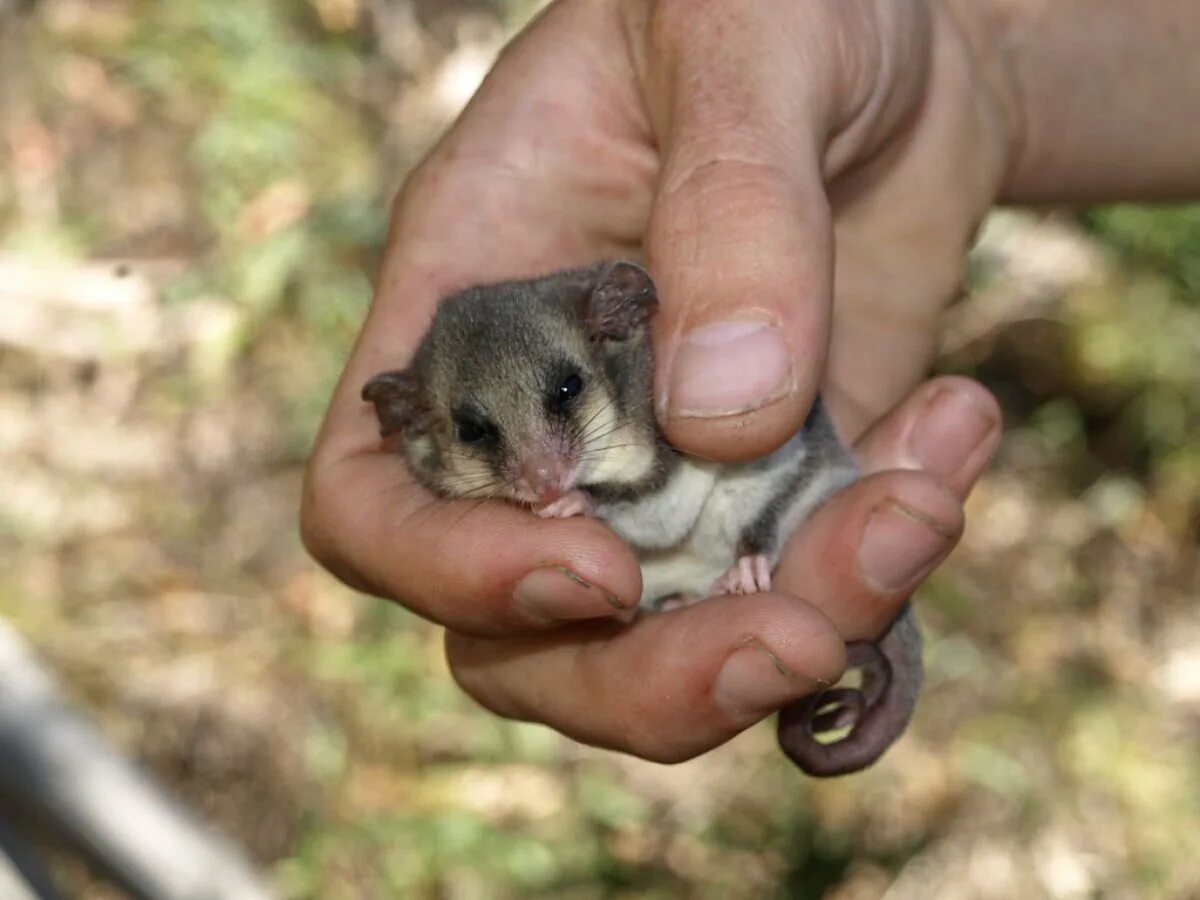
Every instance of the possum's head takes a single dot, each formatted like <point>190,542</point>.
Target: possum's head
<point>526,390</point>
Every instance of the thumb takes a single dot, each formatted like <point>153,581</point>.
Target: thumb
<point>742,253</point>
<point>739,239</point>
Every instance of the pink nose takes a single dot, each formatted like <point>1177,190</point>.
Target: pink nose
<point>547,475</point>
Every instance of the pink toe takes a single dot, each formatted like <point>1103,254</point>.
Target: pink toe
<point>763,568</point>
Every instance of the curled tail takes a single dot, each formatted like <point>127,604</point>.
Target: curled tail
<point>876,713</point>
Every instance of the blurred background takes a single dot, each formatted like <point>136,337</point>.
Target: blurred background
<point>192,200</point>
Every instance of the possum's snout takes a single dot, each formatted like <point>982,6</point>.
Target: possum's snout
<point>546,467</point>
<point>545,477</point>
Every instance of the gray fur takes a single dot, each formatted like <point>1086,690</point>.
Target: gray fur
<point>825,451</point>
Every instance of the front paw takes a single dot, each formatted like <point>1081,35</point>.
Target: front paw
<point>572,503</point>
<point>747,575</point>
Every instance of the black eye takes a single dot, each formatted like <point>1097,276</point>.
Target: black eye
<point>569,389</point>
<point>472,431</point>
<point>469,432</point>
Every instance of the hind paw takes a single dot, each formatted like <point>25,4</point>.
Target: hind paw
<point>748,575</point>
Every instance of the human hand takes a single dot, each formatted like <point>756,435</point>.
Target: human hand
<point>740,145</point>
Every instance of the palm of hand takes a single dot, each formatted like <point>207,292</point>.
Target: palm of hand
<point>598,136</point>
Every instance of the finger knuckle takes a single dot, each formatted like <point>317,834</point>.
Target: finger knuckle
<point>716,167</point>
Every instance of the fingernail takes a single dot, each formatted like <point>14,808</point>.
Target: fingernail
<point>948,431</point>
<point>729,367</point>
<point>899,546</point>
<point>556,594</point>
<point>754,683</point>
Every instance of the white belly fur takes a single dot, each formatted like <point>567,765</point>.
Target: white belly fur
<point>687,535</point>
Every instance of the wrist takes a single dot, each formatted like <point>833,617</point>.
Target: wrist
<point>983,27</point>
<point>1102,96</point>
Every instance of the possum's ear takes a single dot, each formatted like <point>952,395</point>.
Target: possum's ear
<point>399,402</point>
<point>622,301</point>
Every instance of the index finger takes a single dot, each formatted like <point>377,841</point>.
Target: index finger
<point>484,568</point>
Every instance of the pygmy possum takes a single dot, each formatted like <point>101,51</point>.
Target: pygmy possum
<point>539,392</point>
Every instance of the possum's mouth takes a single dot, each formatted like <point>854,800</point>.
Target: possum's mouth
<point>539,486</point>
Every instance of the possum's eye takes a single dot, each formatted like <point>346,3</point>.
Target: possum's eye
<point>472,430</point>
<point>568,390</point>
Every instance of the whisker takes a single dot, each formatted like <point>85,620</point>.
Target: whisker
<point>479,487</point>
<point>591,452</point>
<point>597,437</point>
<point>467,487</point>
<point>583,428</point>
<point>461,457</point>
<point>474,479</point>
<point>474,498</point>
<point>603,408</point>
<point>470,509</point>
<point>458,520</point>
<point>601,427</point>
